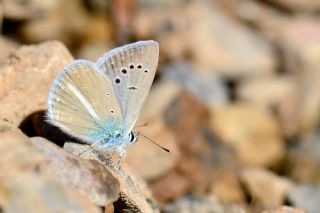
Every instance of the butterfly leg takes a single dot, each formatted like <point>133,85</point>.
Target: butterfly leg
<point>90,148</point>
<point>122,154</point>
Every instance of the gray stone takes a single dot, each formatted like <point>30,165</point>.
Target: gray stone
<point>192,204</point>
<point>307,197</point>
<point>207,86</point>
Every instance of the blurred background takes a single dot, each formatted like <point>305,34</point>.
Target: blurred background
<point>236,95</point>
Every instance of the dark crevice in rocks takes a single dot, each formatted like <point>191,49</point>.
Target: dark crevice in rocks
<point>36,125</point>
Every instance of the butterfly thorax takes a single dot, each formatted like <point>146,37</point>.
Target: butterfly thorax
<point>118,139</point>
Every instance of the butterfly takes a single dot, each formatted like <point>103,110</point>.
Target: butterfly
<point>99,102</point>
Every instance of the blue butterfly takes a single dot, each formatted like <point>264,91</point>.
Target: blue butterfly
<point>99,103</point>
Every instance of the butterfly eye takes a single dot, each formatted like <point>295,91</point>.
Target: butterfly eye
<point>131,66</point>
<point>84,86</point>
<point>111,111</point>
<point>139,66</point>
<point>117,80</point>
<point>108,94</point>
<point>146,71</point>
<point>132,137</point>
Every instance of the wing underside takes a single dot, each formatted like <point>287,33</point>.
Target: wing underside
<point>82,102</point>
<point>131,69</point>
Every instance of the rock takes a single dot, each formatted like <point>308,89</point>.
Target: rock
<point>122,13</point>
<point>207,86</point>
<point>58,24</point>
<point>15,9</point>
<point>41,194</point>
<point>301,55</point>
<point>220,44</point>
<point>266,92</point>
<point>17,152</point>
<point>109,208</point>
<point>269,21</point>
<point>298,6</point>
<point>201,152</point>
<point>267,189</point>
<point>89,177</point>
<point>134,194</point>
<point>100,30</point>
<point>97,38</point>
<point>155,106</point>
<point>226,187</point>
<point>185,117</point>
<point>26,77</point>
<point>302,162</point>
<point>210,39</point>
<point>309,104</point>
<point>306,197</point>
<point>99,6</point>
<point>150,161</point>
<point>1,15</point>
<point>301,58</point>
<point>276,94</point>
<point>201,205</point>
<point>252,132</point>
<point>285,209</point>
<point>22,163</point>
<point>175,185</point>
<point>92,50</point>
<point>8,47</point>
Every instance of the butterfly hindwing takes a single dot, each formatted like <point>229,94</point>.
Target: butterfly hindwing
<point>131,69</point>
<point>82,102</point>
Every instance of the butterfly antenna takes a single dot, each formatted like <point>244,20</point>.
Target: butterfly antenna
<point>143,125</point>
<point>165,149</point>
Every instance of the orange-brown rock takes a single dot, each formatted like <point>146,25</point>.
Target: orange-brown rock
<point>26,77</point>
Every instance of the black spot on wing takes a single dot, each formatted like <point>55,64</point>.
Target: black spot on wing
<point>117,80</point>
<point>132,88</point>
<point>124,70</point>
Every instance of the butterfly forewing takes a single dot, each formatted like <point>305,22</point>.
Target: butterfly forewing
<point>131,69</point>
<point>82,102</point>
